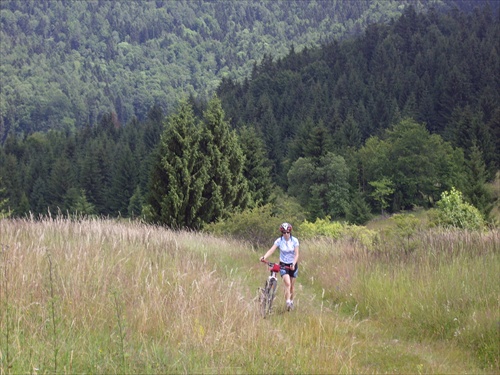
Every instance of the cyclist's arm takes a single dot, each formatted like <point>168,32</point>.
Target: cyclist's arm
<point>296,259</point>
<point>269,253</point>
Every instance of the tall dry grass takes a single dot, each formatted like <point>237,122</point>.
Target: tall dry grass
<point>117,297</point>
<point>98,296</point>
<point>446,289</point>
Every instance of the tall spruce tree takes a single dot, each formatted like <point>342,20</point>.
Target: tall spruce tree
<point>227,189</point>
<point>59,182</point>
<point>95,172</point>
<point>179,174</point>
<point>257,169</point>
<point>135,203</point>
<point>123,180</point>
<point>475,188</point>
<point>3,201</point>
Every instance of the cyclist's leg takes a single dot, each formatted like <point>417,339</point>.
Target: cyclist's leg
<point>292,282</point>
<point>287,283</point>
<point>292,285</point>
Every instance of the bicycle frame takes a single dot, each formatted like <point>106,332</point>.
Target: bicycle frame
<point>268,293</point>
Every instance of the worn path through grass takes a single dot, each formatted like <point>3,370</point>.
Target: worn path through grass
<point>115,297</point>
<point>321,331</point>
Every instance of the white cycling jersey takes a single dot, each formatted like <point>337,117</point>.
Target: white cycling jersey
<point>287,249</point>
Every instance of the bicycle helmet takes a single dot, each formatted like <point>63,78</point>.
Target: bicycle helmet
<point>285,227</point>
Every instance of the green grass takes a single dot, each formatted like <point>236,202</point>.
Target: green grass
<point>119,297</point>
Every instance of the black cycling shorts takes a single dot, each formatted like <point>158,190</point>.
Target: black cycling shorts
<point>288,271</point>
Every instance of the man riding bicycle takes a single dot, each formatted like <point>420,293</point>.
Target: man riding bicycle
<point>289,256</point>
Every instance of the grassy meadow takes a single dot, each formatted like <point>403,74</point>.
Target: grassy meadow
<point>109,297</point>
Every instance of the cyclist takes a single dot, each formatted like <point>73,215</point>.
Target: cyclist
<point>289,256</point>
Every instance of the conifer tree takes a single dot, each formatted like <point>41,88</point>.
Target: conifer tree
<point>10,173</point>
<point>123,181</point>
<point>3,201</point>
<point>320,185</point>
<point>358,210</point>
<point>350,134</point>
<point>38,197</point>
<point>179,174</point>
<point>318,142</point>
<point>82,206</point>
<point>95,172</point>
<point>227,189</point>
<point>23,208</point>
<point>59,182</point>
<point>135,204</point>
<point>256,170</point>
<point>475,190</point>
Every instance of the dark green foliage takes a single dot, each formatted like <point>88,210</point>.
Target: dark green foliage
<point>81,206</point>
<point>23,207</point>
<point>320,185</point>
<point>180,173</point>
<point>227,189</point>
<point>394,93</point>
<point>256,169</point>
<point>66,63</point>
<point>467,129</point>
<point>198,174</point>
<point>420,66</point>
<point>124,180</point>
<point>4,201</point>
<point>419,166</point>
<point>475,190</point>
<point>10,176</point>
<point>349,133</point>
<point>60,181</point>
<point>358,211</point>
<point>317,142</point>
<point>135,204</point>
<point>96,171</point>
<point>38,196</point>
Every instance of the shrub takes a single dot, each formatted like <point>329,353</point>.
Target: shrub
<point>337,230</point>
<point>406,225</point>
<point>257,226</point>
<point>452,211</point>
<point>260,225</point>
<point>321,228</point>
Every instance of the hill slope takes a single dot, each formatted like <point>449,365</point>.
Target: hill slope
<point>110,297</point>
<point>64,64</point>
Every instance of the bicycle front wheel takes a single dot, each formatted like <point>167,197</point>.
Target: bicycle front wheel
<point>265,298</point>
<point>272,293</point>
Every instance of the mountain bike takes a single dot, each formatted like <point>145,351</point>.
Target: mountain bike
<point>267,294</point>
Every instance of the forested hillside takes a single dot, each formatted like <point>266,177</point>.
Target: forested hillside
<point>384,121</point>
<point>65,64</point>
<point>439,70</point>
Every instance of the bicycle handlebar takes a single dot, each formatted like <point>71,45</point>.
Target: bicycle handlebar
<point>271,264</point>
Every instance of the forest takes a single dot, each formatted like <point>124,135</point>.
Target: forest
<point>381,121</point>
<point>67,63</point>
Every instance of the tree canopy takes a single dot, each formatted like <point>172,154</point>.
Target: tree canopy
<point>388,119</point>
<point>67,63</point>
